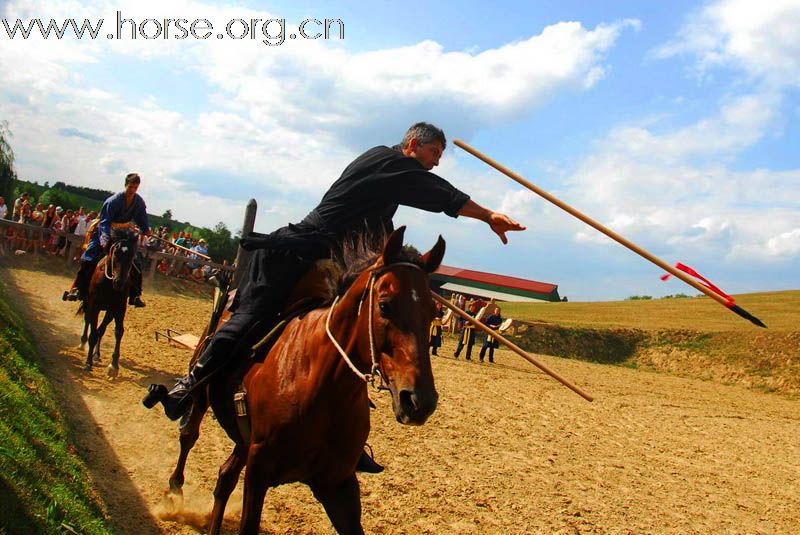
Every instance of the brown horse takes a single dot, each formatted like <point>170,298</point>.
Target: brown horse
<point>108,290</point>
<point>307,402</point>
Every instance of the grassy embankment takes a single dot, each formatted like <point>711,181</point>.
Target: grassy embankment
<point>44,486</point>
<point>690,336</point>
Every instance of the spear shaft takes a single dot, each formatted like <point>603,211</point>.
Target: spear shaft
<point>611,234</point>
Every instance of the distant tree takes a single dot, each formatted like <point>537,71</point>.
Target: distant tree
<point>221,245</point>
<point>7,174</point>
<point>167,215</point>
<point>639,298</point>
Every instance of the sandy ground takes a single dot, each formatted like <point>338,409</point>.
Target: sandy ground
<point>508,451</point>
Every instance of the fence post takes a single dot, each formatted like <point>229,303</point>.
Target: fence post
<point>242,256</point>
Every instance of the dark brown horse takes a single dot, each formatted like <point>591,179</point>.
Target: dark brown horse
<point>108,290</point>
<point>307,402</point>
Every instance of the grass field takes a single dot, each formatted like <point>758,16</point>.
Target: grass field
<point>44,486</point>
<point>692,337</point>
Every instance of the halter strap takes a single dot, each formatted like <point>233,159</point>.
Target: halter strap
<point>375,369</point>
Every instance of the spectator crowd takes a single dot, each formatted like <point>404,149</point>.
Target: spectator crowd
<point>54,220</point>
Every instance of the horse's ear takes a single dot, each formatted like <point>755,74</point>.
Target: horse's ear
<point>433,258</point>
<point>394,244</point>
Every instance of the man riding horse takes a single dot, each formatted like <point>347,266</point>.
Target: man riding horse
<point>119,211</point>
<point>365,197</point>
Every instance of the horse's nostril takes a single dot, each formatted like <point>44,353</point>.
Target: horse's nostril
<point>407,401</point>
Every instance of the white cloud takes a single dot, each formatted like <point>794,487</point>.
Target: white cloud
<point>759,37</point>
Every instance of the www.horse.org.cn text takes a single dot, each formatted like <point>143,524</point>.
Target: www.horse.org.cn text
<point>271,32</point>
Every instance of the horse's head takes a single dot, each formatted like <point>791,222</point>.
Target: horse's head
<point>121,252</point>
<point>397,293</point>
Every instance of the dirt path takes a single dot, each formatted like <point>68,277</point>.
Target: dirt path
<point>508,451</point>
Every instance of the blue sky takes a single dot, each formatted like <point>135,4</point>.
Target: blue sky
<point>675,124</point>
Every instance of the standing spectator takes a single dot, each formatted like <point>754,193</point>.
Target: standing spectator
<point>66,221</point>
<point>16,215</point>
<point>436,328</point>
<point>494,321</point>
<point>81,223</point>
<point>467,337</point>
<point>3,208</point>
<point>37,215</point>
<point>49,216</point>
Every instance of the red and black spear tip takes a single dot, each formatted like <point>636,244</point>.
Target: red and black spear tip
<point>746,315</point>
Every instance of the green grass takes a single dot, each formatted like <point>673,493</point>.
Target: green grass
<point>44,485</point>
<point>779,310</point>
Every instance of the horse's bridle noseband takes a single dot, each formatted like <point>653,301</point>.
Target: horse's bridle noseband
<point>375,370</point>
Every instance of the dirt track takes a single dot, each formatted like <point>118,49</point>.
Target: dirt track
<point>508,451</point>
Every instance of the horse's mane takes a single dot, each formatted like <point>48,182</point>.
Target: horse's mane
<point>357,253</point>
<point>121,234</point>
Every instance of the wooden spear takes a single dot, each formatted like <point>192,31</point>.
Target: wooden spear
<point>727,302</point>
<point>512,346</point>
<point>201,255</point>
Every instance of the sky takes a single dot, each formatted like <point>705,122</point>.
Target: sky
<point>673,123</point>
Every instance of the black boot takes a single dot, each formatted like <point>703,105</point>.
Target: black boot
<point>82,281</point>
<point>177,402</point>
<point>135,295</point>
<point>368,465</point>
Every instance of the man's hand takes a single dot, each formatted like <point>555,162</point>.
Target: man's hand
<point>501,223</point>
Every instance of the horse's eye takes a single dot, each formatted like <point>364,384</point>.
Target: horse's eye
<point>385,308</point>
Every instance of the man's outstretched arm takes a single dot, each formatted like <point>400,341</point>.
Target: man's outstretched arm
<point>499,223</point>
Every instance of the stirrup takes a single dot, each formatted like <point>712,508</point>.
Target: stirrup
<point>367,464</point>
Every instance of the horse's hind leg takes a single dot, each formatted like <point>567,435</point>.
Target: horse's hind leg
<point>226,482</point>
<point>119,330</point>
<point>85,335</point>
<point>190,432</point>
<point>91,319</point>
<point>342,502</point>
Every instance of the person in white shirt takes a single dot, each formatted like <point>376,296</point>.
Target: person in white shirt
<point>3,208</point>
<point>83,223</point>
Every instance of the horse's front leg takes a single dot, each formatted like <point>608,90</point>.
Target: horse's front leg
<point>190,432</point>
<point>101,330</point>
<point>119,331</point>
<point>255,489</point>
<point>226,482</point>
<point>342,502</point>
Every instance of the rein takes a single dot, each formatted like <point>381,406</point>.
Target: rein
<point>375,369</point>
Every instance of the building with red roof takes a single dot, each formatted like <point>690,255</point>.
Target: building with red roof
<point>490,285</point>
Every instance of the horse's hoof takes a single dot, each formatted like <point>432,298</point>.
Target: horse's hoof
<point>96,359</point>
<point>87,368</point>
<point>112,371</point>
<point>155,393</point>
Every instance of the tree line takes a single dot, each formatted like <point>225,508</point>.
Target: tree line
<point>222,244</point>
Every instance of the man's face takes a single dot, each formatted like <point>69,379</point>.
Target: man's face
<point>130,188</point>
<point>428,154</point>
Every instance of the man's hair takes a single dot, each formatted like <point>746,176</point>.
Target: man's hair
<point>132,178</point>
<point>424,133</point>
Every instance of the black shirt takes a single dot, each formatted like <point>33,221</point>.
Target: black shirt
<point>364,198</point>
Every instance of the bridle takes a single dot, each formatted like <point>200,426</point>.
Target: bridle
<point>368,289</point>
<point>110,258</point>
